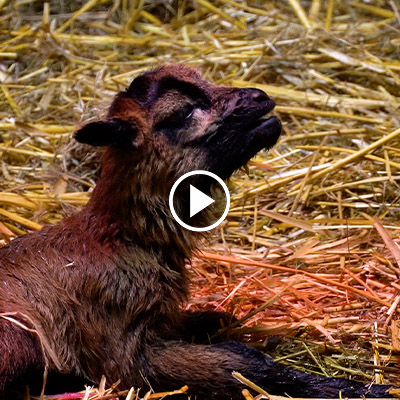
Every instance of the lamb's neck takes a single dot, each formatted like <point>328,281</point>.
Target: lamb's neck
<point>125,211</point>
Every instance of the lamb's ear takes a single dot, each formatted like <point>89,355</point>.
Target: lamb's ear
<point>113,132</point>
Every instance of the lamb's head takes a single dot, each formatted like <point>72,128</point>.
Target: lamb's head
<point>172,113</point>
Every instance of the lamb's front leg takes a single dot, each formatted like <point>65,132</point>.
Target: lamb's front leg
<point>207,370</point>
<point>201,326</point>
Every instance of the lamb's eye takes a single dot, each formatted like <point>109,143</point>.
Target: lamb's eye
<point>177,119</point>
<point>188,112</point>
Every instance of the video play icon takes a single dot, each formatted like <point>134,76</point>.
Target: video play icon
<point>199,196</point>
<point>198,201</point>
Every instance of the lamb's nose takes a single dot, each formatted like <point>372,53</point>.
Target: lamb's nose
<point>258,95</point>
<point>256,98</point>
<point>251,97</point>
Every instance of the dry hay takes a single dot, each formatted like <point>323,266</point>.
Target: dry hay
<point>309,255</point>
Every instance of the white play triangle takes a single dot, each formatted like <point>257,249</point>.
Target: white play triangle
<point>198,201</point>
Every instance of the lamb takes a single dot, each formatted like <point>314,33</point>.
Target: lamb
<point>101,292</point>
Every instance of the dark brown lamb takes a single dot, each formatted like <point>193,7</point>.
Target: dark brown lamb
<point>101,292</point>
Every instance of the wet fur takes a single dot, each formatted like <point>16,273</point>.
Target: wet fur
<point>101,292</point>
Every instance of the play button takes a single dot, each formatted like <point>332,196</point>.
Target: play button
<point>199,200</point>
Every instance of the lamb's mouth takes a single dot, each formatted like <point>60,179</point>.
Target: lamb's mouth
<point>240,137</point>
<point>260,134</point>
<point>243,144</point>
<point>265,132</point>
<point>259,131</point>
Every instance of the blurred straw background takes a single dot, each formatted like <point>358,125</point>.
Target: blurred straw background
<point>308,257</point>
